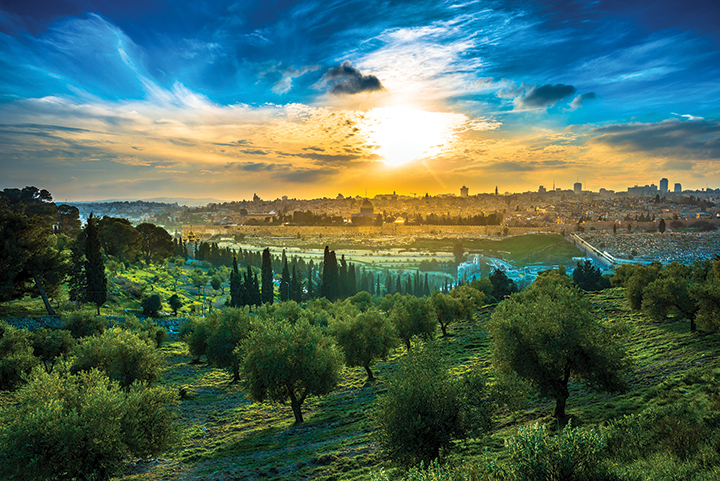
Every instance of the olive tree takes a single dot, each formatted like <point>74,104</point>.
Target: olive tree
<point>230,327</point>
<point>364,338</point>
<point>548,333</point>
<point>425,408</point>
<point>82,426</point>
<point>414,316</point>
<point>122,355</point>
<point>283,361</point>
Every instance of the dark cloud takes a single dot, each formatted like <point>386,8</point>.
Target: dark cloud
<point>304,175</point>
<point>544,96</point>
<point>688,139</point>
<point>581,99</point>
<point>346,79</point>
<point>512,166</point>
<point>237,143</point>
<point>253,152</point>
<point>254,166</point>
<point>323,159</point>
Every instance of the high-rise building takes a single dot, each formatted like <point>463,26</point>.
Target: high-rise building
<point>663,186</point>
<point>678,188</point>
<point>578,187</point>
<point>464,191</point>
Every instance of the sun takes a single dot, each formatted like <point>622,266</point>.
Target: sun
<point>404,134</point>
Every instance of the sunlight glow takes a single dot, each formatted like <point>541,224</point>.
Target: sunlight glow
<point>404,134</point>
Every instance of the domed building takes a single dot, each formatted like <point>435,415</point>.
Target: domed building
<point>367,208</point>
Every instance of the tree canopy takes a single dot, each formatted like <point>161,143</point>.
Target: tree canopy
<point>548,333</point>
<point>283,361</point>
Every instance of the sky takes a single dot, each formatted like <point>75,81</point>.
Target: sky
<point>105,99</point>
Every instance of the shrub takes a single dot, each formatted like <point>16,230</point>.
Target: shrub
<point>84,324</point>
<point>425,408</point>
<point>51,344</point>
<point>122,355</point>
<point>16,356</point>
<point>81,427</point>
<point>195,332</point>
<point>175,303</point>
<point>573,454</point>
<point>151,305</point>
<point>147,329</point>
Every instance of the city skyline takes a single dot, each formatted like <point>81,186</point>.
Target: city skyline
<point>314,98</point>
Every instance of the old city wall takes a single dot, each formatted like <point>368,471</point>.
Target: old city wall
<point>209,231</point>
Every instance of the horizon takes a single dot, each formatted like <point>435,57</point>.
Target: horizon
<point>313,98</point>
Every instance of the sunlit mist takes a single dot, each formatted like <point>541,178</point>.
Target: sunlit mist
<point>405,134</point>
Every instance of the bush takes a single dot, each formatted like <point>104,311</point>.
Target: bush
<point>151,305</point>
<point>51,344</point>
<point>85,324</point>
<point>425,408</point>
<point>573,454</point>
<point>147,329</point>
<point>16,356</point>
<point>195,332</point>
<point>81,427</point>
<point>122,355</point>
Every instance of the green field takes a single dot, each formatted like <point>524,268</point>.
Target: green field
<point>228,437</point>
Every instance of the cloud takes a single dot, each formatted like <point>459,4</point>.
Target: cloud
<point>253,166</point>
<point>347,80</point>
<point>304,175</point>
<point>283,77</point>
<point>543,97</point>
<point>580,99</point>
<point>694,139</point>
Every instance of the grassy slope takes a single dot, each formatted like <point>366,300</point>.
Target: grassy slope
<point>227,437</point>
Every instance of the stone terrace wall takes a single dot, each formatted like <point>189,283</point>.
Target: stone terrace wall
<point>56,322</point>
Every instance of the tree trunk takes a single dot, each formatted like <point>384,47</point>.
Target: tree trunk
<point>693,328</point>
<point>371,378</point>
<point>236,372</point>
<point>296,408</point>
<point>40,287</point>
<point>407,344</point>
<point>443,327</point>
<point>561,396</point>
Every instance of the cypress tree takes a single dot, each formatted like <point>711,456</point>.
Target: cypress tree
<point>352,281</point>
<point>388,283</point>
<point>285,280</point>
<point>267,277</point>
<point>310,290</point>
<point>377,285</point>
<point>77,280</point>
<point>343,278</point>
<point>426,290</point>
<point>295,286</point>
<point>96,282</point>
<point>235,285</point>
<point>325,286</point>
<point>398,286</point>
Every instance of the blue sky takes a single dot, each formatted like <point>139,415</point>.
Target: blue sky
<point>102,99</point>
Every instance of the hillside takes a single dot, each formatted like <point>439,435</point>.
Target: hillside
<point>228,437</point>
